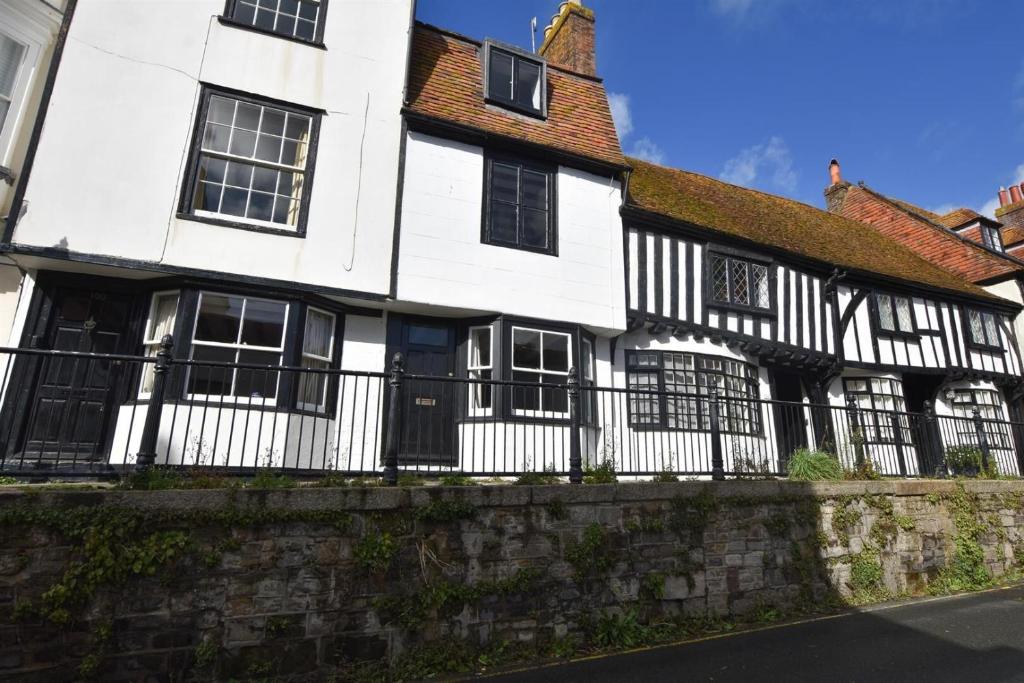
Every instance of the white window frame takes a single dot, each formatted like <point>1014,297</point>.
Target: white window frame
<point>475,370</point>
<point>238,346</point>
<point>304,355</point>
<point>563,377</point>
<point>228,157</point>
<point>35,26</point>
<point>152,344</point>
<point>991,238</point>
<point>964,430</point>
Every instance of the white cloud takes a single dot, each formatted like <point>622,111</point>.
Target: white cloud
<point>1019,174</point>
<point>989,207</point>
<point>619,104</point>
<point>648,150</point>
<point>770,163</point>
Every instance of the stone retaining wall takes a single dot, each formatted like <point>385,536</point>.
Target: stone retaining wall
<point>303,583</point>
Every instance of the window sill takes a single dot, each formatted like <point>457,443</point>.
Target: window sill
<point>984,348</point>
<point>513,107</point>
<point>739,308</point>
<point>228,21</point>
<point>241,226</point>
<point>531,250</point>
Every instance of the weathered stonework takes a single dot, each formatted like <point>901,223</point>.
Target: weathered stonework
<point>387,570</point>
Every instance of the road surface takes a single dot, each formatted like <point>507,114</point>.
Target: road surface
<point>966,638</point>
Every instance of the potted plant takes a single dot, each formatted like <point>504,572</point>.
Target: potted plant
<point>964,460</point>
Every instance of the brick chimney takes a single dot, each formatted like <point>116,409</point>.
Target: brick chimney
<point>569,39</point>
<point>835,193</point>
<point>1011,206</point>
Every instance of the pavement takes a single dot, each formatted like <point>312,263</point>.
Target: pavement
<point>965,638</point>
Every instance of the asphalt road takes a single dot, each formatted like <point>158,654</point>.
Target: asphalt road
<point>967,638</point>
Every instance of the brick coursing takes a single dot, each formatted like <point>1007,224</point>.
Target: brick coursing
<point>571,41</point>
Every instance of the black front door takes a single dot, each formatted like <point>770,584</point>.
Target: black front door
<point>73,399</point>
<point>918,388</point>
<point>790,418</point>
<point>428,410</point>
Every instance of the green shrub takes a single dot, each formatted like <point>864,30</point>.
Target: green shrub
<point>666,475</point>
<point>536,479</point>
<point>966,460</point>
<point>457,480</point>
<point>808,465</point>
<point>266,479</point>
<point>602,474</point>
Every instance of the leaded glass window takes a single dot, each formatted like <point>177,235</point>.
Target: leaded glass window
<point>894,313</point>
<point>984,328</point>
<point>739,282</point>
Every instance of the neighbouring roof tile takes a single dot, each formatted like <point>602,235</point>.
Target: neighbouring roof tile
<point>782,223</point>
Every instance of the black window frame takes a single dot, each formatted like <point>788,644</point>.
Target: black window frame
<point>317,41</point>
<point>876,320</point>
<point>551,171</point>
<point>987,344</point>
<point>747,259</point>
<point>991,237</point>
<point>517,55</point>
<point>999,437</point>
<point>186,210</point>
<point>754,417</point>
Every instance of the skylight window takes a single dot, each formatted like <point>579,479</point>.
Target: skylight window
<point>515,80</point>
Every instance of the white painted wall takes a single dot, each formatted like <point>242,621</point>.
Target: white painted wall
<point>443,262</point>
<point>1011,290</point>
<point>110,164</point>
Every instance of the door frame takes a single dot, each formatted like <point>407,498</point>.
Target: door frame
<point>18,405</point>
<point>395,343</point>
<point>799,379</point>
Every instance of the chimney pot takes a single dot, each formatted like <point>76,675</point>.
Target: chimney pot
<point>1004,196</point>
<point>1015,194</point>
<point>834,172</point>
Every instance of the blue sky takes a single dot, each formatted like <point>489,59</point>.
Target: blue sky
<point>921,99</point>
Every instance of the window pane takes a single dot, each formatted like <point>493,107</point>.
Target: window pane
<point>504,183</point>
<point>525,398</point>
<point>528,85</point>
<point>233,201</point>
<point>211,381</point>
<point>535,189</point>
<point>740,288</point>
<point>313,387</point>
<point>273,122</point>
<point>319,330</point>
<point>257,384</point>
<point>526,349</point>
<point>243,143</point>
<point>264,323</point>
<point>426,335</point>
<point>556,353</point>
<point>903,315</point>
<point>885,316</point>
<point>977,331</point>
<point>212,170</point>
<point>991,332</point>
<point>216,137</point>
<point>535,229</point>
<point>504,223</point>
<point>162,321</point>
<point>719,279</point>
<point>247,116</point>
<point>759,285</point>
<point>587,360</point>
<point>207,197</point>
<point>222,110</point>
<point>261,206</point>
<point>219,318</point>
<point>551,399</point>
<point>499,80</point>
<point>480,347</point>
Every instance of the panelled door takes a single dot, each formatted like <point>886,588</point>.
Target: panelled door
<point>74,398</point>
<point>428,410</point>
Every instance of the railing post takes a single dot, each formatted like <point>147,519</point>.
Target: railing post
<point>394,421</point>
<point>934,441</point>
<point>146,456</point>
<point>897,437</point>
<point>717,463</point>
<point>979,428</point>
<point>857,433</point>
<point>575,456</point>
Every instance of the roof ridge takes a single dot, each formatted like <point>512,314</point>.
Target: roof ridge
<point>992,253</point>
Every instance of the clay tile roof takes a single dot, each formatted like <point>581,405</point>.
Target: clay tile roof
<point>446,82</point>
<point>924,232</point>
<point>782,223</point>
<point>1012,235</point>
<point>957,217</point>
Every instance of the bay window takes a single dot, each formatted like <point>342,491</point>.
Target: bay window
<point>162,313</point>
<point>480,367</point>
<point>237,329</point>
<point>882,410</point>
<point>540,357</point>
<point>990,408</point>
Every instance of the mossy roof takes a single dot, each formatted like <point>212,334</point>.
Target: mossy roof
<point>783,224</point>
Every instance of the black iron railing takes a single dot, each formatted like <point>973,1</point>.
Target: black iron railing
<point>70,414</point>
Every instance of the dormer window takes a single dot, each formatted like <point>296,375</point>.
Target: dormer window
<point>990,238</point>
<point>515,80</point>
